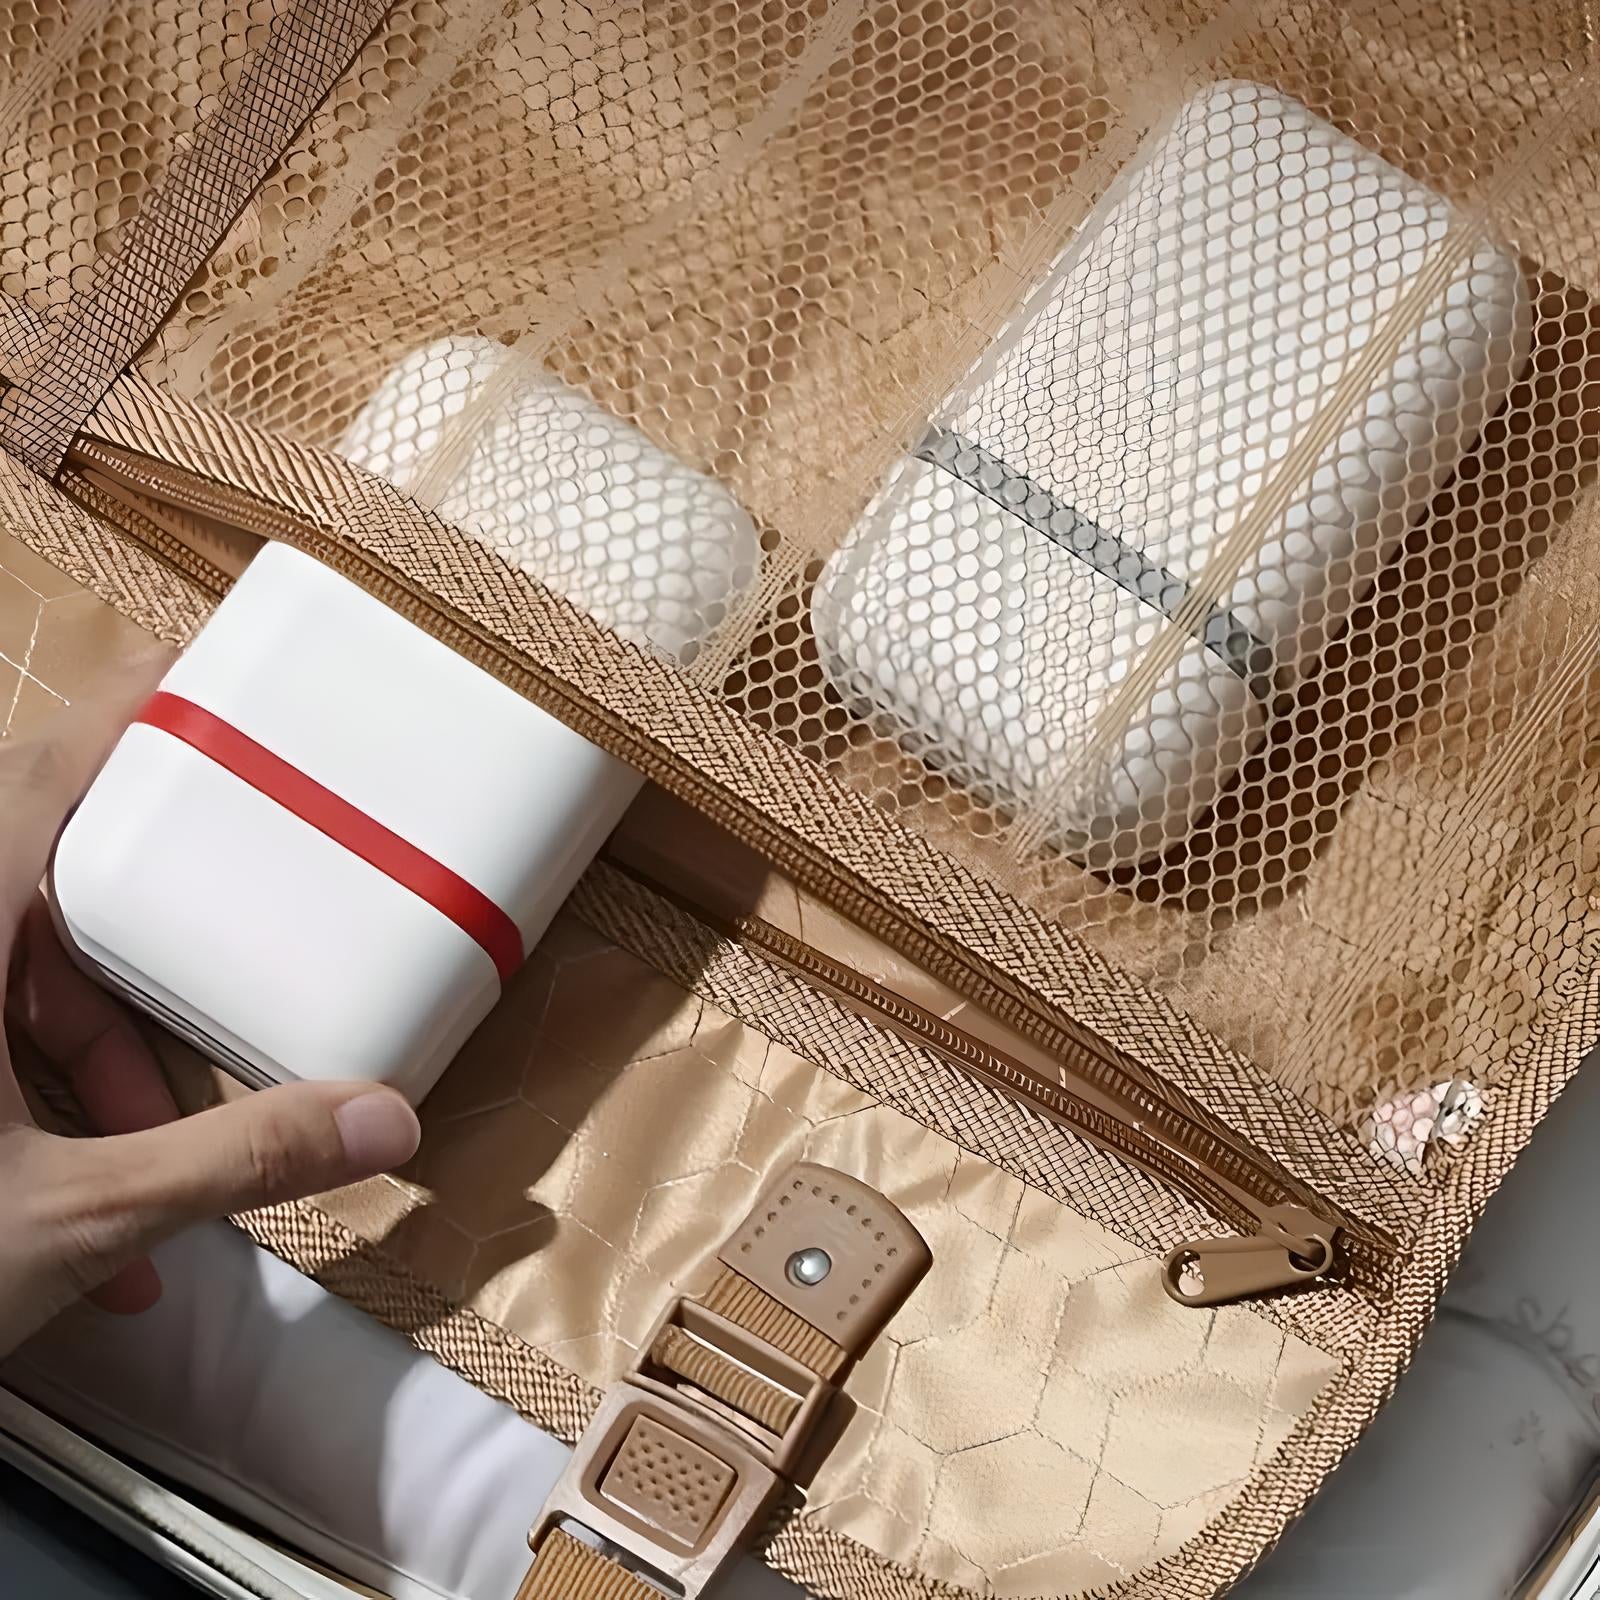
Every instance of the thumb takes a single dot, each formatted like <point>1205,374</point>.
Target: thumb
<point>133,1190</point>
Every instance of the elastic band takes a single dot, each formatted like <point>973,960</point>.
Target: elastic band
<point>447,892</point>
<point>1250,659</point>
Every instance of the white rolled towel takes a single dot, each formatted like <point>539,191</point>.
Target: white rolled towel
<point>560,487</point>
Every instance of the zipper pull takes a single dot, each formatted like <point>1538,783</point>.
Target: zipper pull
<point>1294,1246</point>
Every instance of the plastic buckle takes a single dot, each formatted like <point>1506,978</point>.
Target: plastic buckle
<point>788,1383</point>
<point>686,1453</point>
<point>654,1479</point>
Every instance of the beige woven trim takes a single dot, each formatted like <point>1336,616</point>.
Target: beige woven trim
<point>181,223</point>
<point>487,1356</point>
<point>564,1569</point>
<point>747,1392</point>
<point>733,1296</point>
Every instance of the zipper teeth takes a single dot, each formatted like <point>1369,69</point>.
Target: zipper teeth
<point>1056,1102</point>
<point>193,493</point>
<point>170,549</point>
<point>1367,1258</point>
<point>1094,1061</point>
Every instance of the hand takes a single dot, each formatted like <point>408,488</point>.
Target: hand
<point>78,1215</point>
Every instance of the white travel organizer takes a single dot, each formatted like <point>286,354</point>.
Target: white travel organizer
<point>333,838</point>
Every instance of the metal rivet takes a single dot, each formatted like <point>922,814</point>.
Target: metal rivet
<point>809,1267</point>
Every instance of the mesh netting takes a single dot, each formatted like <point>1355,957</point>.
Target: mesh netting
<point>98,100</point>
<point>1143,448</point>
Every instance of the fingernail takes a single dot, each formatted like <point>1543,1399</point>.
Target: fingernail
<point>378,1131</point>
<point>131,1292</point>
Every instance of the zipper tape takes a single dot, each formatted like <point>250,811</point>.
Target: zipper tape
<point>1287,1245</point>
<point>889,1069</point>
<point>318,487</point>
<point>1283,1244</point>
<point>297,792</point>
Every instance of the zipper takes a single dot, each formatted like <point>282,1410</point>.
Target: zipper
<point>169,537</point>
<point>53,1454</point>
<point>1285,1237</point>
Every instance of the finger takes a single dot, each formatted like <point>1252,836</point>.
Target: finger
<point>131,1291</point>
<point>86,1034</point>
<point>112,1073</point>
<point>117,1198</point>
<point>41,778</point>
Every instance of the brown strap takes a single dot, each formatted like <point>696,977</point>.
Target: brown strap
<point>747,1392</point>
<point>181,224</point>
<point>565,1569</point>
<point>734,1296</point>
<point>670,1468</point>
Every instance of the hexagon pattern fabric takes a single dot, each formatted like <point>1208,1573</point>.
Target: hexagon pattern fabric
<point>56,639</point>
<point>1039,1419</point>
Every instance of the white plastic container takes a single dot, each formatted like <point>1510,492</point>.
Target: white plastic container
<point>335,839</point>
<point>556,484</point>
<point>1253,271</point>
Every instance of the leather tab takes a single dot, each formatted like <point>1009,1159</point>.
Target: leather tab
<point>816,1220</point>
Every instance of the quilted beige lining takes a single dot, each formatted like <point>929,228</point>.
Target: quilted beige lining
<point>1041,1418</point>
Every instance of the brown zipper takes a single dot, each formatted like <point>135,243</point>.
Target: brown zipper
<point>1286,1237</point>
<point>169,534</point>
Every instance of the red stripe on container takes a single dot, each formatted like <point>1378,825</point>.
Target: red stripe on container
<point>447,892</point>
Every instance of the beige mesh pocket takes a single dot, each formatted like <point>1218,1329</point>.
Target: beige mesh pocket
<point>1102,495</point>
<point>1137,526</point>
<point>1097,445</point>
